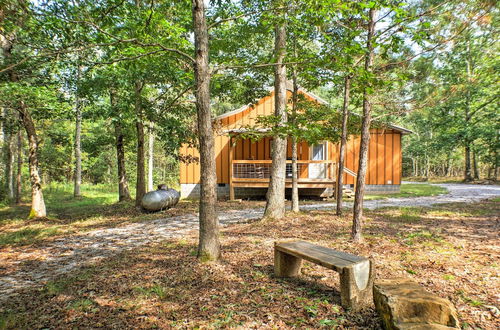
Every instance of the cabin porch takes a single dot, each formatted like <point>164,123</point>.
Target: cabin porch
<point>317,173</point>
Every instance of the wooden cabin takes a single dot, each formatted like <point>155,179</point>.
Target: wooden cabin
<point>243,166</point>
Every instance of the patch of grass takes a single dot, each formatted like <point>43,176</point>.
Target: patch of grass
<point>8,319</point>
<point>53,288</point>
<point>448,277</point>
<point>471,301</point>
<point>27,235</point>
<point>420,236</point>
<point>411,190</point>
<point>83,305</point>
<point>155,290</point>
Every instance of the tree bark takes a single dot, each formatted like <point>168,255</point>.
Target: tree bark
<point>9,165</point>
<point>151,149</point>
<point>140,187</point>
<point>123,191</point>
<point>275,206</point>
<point>295,183</point>
<point>476,168</point>
<point>343,143</point>
<point>19,167</point>
<point>467,141</point>
<point>468,168</point>
<point>37,201</point>
<point>78,142</point>
<point>209,241</point>
<point>365,139</point>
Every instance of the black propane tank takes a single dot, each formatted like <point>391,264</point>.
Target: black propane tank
<point>160,199</point>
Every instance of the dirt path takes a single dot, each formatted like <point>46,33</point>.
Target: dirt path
<point>25,267</point>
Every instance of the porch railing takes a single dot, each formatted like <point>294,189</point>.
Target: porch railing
<point>308,170</point>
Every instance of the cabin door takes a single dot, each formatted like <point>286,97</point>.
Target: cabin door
<point>318,152</point>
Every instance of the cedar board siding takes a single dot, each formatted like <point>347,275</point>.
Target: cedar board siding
<point>384,162</point>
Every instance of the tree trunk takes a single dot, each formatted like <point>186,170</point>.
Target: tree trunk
<point>365,139</point>
<point>78,144</point>
<point>275,206</point>
<point>476,168</point>
<point>468,170</point>
<point>209,241</point>
<point>295,183</point>
<point>140,186</point>
<point>447,165</point>
<point>37,201</point>
<point>427,167</point>
<point>343,143</point>
<point>467,141</point>
<point>123,191</point>
<point>9,165</point>
<point>151,149</point>
<point>19,167</point>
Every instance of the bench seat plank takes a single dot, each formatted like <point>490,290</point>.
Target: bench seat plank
<point>323,256</point>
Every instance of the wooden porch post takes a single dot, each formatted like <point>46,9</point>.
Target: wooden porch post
<point>231,188</point>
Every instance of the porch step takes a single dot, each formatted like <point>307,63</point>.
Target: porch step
<point>347,193</point>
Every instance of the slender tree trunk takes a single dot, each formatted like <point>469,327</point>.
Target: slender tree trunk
<point>209,241</point>
<point>9,165</point>
<point>365,139</point>
<point>343,143</point>
<point>447,165</point>
<point>37,201</point>
<point>476,168</point>
<point>295,183</point>
<point>427,166</point>
<point>78,144</point>
<point>140,187</point>
<point>275,206</point>
<point>151,149</point>
<point>19,167</point>
<point>123,191</point>
<point>468,170</point>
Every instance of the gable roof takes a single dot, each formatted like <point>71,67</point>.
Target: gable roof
<point>313,96</point>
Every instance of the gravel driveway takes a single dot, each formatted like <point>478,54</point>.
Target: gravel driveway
<point>457,193</point>
<point>25,267</point>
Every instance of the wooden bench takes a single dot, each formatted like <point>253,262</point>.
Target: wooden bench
<point>356,273</point>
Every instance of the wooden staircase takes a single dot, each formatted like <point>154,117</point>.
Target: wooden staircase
<point>347,192</point>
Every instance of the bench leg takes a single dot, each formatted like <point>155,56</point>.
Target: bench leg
<point>286,265</point>
<point>353,296</point>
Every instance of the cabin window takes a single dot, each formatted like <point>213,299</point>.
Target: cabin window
<point>319,151</point>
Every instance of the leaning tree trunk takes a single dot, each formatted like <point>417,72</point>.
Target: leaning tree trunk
<point>78,145</point>
<point>123,191</point>
<point>140,187</point>
<point>365,139</point>
<point>343,143</point>
<point>19,167</point>
<point>275,206</point>
<point>151,148</point>
<point>209,241</point>
<point>37,201</point>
